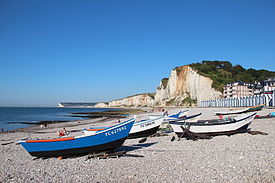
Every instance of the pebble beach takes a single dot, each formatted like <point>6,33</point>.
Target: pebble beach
<point>237,158</point>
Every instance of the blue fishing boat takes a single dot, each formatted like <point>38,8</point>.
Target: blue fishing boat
<point>104,140</point>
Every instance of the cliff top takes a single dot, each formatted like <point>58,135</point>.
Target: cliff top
<point>223,72</point>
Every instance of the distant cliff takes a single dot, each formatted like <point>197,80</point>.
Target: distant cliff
<point>145,99</point>
<point>184,87</point>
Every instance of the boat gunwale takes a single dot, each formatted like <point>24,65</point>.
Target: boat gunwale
<point>172,115</point>
<point>96,129</point>
<point>146,121</point>
<point>232,112</point>
<point>50,140</point>
<point>186,118</point>
<point>108,129</point>
<point>204,123</point>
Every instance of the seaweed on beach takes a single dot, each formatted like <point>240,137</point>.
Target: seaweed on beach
<point>121,113</point>
<point>98,116</point>
<point>37,123</point>
<point>113,112</point>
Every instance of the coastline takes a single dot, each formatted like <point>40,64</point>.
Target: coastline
<point>238,158</point>
<point>109,113</point>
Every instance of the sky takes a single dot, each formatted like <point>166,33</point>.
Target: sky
<point>55,51</point>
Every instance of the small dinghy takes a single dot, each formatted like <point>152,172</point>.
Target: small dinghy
<point>215,127</point>
<point>142,128</point>
<point>103,140</point>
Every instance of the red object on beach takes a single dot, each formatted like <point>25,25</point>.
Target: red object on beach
<point>257,116</point>
<point>61,134</point>
<point>220,116</point>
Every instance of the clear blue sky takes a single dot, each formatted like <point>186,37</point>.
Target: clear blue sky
<point>101,50</point>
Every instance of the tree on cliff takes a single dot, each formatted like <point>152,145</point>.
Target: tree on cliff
<point>223,72</point>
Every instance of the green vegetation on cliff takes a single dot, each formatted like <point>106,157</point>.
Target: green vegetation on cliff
<point>188,101</point>
<point>223,72</point>
<point>164,82</point>
<point>152,95</point>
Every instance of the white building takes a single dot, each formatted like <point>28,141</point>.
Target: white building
<point>258,88</point>
<point>269,85</point>
<point>237,89</point>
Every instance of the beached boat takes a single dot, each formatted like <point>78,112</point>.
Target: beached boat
<point>191,118</point>
<point>232,112</point>
<point>215,127</point>
<point>243,110</point>
<point>142,128</point>
<point>180,114</point>
<point>103,140</point>
<point>145,128</point>
<point>256,108</point>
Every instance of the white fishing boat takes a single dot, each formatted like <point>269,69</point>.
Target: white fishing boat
<point>141,128</point>
<point>145,128</point>
<point>215,127</point>
<point>176,124</point>
<point>177,115</point>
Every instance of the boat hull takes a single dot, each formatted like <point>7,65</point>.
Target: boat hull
<point>78,151</point>
<point>233,112</point>
<point>240,130</point>
<point>107,139</point>
<point>256,108</point>
<point>145,128</point>
<point>144,133</point>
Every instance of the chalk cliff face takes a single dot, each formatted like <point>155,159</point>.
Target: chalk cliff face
<point>185,85</point>
<point>102,105</point>
<point>146,99</point>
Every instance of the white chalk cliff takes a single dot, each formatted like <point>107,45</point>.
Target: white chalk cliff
<point>185,84</point>
<point>183,87</point>
<point>145,99</point>
<point>102,105</point>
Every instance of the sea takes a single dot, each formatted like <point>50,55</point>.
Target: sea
<point>12,118</point>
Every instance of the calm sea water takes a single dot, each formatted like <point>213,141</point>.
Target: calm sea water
<point>12,117</point>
